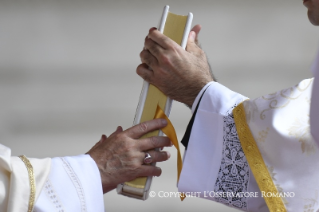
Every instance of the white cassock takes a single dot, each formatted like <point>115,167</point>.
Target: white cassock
<point>60,184</point>
<point>274,169</point>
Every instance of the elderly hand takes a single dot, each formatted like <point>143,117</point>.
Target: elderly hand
<point>177,73</point>
<point>120,156</point>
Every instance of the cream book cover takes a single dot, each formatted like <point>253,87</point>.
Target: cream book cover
<point>176,27</point>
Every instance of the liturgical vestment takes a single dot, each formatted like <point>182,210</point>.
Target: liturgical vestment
<point>254,155</point>
<point>57,184</point>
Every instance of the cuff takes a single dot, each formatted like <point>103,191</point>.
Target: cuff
<point>199,95</point>
<point>202,160</point>
<point>74,184</point>
<point>89,177</point>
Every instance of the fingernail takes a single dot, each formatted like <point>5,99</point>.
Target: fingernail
<point>192,35</point>
<point>153,28</point>
<point>164,122</point>
<point>158,168</point>
<point>168,154</point>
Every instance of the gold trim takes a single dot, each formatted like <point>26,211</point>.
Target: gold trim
<point>256,162</point>
<point>31,181</point>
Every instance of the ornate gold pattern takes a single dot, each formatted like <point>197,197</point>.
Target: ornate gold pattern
<point>262,135</point>
<point>300,129</point>
<point>311,203</point>
<point>289,94</point>
<point>31,181</point>
<point>256,162</point>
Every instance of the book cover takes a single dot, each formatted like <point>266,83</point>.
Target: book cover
<point>176,27</point>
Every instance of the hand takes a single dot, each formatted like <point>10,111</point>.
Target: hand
<point>177,73</point>
<point>120,156</point>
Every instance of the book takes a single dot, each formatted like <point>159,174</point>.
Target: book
<point>176,27</point>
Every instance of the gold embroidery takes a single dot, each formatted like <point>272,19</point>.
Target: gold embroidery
<point>262,135</point>
<point>273,105</point>
<point>31,181</point>
<point>311,203</point>
<point>256,162</point>
<point>300,129</point>
<point>272,96</point>
<point>303,85</point>
<point>287,94</point>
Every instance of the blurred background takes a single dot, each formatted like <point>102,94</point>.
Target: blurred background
<point>67,71</point>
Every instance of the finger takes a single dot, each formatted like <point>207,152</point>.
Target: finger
<point>162,40</point>
<point>191,45</point>
<point>159,156</point>
<point>148,58</point>
<point>153,142</point>
<point>143,71</point>
<point>155,49</point>
<point>143,128</point>
<point>118,130</point>
<point>149,171</point>
<point>103,138</point>
<point>171,144</point>
<point>196,29</point>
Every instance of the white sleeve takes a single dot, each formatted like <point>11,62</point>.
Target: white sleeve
<point>214,163</point>
<point>21,180</point>
<point>74,184</point>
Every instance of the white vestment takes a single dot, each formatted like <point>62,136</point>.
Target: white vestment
<point>61,184</point>
<point>216,166</point>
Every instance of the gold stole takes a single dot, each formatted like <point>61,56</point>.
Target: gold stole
<point>255,161</point>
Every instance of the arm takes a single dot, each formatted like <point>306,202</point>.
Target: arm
<point>219,159</point>
<point>279,158</point>
<point>77,183</point>
<point>184,75</point>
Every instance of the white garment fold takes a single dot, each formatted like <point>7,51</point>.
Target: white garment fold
<point>74,184</point>
<point>14,180</point>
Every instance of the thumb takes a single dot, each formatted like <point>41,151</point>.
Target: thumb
<point>197,28</point>
<point>191,43</point>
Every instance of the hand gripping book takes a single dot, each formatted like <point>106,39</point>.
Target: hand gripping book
<point>176,27</point>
